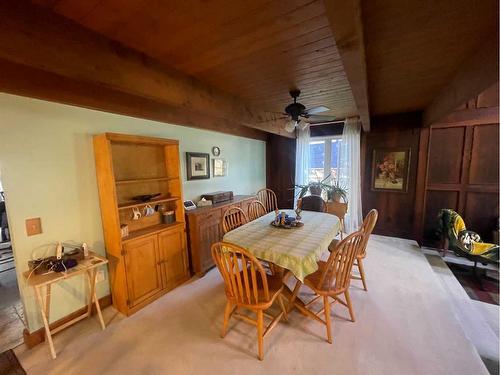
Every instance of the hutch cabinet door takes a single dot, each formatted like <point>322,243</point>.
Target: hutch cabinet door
<point>142,261</point>
<point>210,232</point>
<point>174,256</point>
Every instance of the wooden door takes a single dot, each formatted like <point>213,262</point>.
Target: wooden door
<point>142,261</point>
<point>174,257</point>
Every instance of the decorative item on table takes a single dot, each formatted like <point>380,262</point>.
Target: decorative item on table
<point>203,202</point>
<point>124,230</point>
<point>197,166</point>
<point>189,205</point>
<point>145,197</point>
<point>283,220</point>
<point>220,167</point>
<point>390,169</point>
<point>218,196</point>
<point>168,217</point>
<point>298,210</point>
<point>67,256</point>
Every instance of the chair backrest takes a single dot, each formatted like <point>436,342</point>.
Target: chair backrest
<point>338,209</point>
<point>367,228</point>
<point>255,210</point>
<point>242,274</point>
<point>268,198</point>
<point>337,273</point>
<point>234,217</point>
<point>313,203</point>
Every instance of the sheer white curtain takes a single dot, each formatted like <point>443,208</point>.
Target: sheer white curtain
<point>350,175</point>
<point>302,159</point>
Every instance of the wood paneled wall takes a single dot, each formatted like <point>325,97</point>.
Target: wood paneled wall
<point>462,174</point>
<point>396,210</point>
<point>280,156</point>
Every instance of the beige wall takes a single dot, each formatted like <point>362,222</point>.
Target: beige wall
<point>47,168</point>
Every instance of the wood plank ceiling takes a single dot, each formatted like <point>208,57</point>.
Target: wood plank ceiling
<point>415,47</point>
<point>257,50</point>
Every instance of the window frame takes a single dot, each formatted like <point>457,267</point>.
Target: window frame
<point>328,152</point>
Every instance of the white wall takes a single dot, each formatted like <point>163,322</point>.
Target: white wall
<point>47,169</point>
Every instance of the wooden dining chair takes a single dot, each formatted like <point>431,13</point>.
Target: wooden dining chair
<point>248,286</point>
<point>268,198</point>
<point>367,228</point>
<point>338,209</point>
<point>331,280</point>
<point>233,217</point>
<point>312,203</point>
<point>255,210</point>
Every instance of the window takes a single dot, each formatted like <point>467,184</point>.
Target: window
<point>324,158</point>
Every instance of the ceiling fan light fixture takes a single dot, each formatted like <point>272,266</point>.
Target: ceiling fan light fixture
<point>303,125</point>
<point>290,125</point>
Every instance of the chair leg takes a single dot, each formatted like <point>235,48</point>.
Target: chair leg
<point>326,303</point>
<point>227,314</point>
<point>349,304</point>
<point>260,333</point>
<point>282,305</point>
<point>362,272</point>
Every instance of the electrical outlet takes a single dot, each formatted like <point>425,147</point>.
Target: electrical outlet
<point>100,276</point>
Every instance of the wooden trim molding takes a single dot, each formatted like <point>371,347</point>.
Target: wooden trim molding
<point>30,35</point>
<point>466,117</point>
<point>31,339</point>
<point>476,74</point>
<point>347,28</point>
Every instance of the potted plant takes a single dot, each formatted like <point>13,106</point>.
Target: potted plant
<point>315,187</point>
<point>337,192</point>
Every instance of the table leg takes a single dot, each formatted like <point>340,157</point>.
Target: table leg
<point>92,280</point>
<point>92,275</point>
<point>295,292</point>
<point>47,300</point>
<point>42,306</point>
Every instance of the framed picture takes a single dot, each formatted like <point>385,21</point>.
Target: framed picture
<point>220,168</point>
<point>197,166</point>
<point>390,169</point>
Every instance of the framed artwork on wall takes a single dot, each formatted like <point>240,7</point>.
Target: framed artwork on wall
<point>220,168</point>
<point>197,166</point>
<point>390,169</point>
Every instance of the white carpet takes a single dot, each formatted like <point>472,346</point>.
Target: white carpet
<point>405,325</point>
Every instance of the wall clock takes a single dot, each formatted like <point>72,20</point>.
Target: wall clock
<point>215,151</point>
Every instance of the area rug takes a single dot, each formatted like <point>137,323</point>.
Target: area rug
<point>484,289</point>
<point>9,365</point>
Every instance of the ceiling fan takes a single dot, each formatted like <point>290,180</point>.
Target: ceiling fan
<point>300,116</point>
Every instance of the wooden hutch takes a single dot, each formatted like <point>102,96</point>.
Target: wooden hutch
<point>152,259</point>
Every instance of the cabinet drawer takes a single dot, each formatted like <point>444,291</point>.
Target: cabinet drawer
<point>212,215</point>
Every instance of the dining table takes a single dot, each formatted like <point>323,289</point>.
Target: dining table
<point>296,250</point>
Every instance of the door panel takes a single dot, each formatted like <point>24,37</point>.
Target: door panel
<point>142,262</point>
<point>210,232</point>
<point>174,257</point>
<point>445,155</point>
<point>485,155</point>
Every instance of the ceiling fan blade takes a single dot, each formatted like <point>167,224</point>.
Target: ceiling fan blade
<point>320,118</point>
<point>318,109</point>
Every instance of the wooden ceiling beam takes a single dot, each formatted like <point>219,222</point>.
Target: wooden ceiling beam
<point>347,28</point>
<point>476,74</point>
<point>35,37</point>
